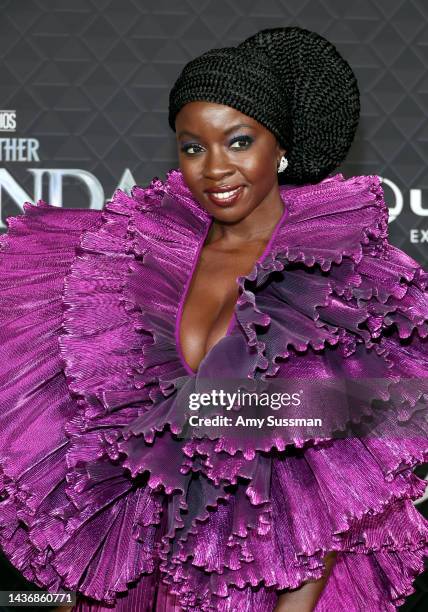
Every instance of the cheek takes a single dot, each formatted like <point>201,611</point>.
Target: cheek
<point>193,179</point>
<point>260,168</point>
<point>191,172</point>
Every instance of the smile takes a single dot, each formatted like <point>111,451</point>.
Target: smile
<point>225,197</point>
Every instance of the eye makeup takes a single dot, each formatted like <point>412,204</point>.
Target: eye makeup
<point>189,145</point>
<point>244,138</point>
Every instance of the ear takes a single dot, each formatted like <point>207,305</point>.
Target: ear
<point>280,151</point>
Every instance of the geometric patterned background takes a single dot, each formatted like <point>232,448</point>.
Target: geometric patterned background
<point>90,80</point>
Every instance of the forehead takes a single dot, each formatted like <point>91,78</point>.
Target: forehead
<point>201,115</point>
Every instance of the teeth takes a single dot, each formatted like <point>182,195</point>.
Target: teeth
<point>224,195</point>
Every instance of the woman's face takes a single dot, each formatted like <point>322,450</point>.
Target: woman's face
<point>221,148</point>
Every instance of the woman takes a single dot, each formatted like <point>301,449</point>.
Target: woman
<point>113,319</point>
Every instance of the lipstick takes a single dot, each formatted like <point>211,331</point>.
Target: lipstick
<point>222,197</point>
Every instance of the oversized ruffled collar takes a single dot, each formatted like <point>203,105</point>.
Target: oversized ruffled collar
<point>342,214</point>
<point>327,231</point>
<point>321,224</point>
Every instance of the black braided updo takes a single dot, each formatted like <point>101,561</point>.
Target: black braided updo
<point>292,81</point>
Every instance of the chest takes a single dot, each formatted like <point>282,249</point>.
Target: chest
<point>209,302</point>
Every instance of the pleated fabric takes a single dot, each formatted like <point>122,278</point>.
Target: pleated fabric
<point>101,495</point>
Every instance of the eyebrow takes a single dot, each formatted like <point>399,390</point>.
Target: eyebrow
<point>231,129</point>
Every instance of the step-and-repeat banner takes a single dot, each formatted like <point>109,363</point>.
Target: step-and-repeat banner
<point>84,93</point>
<point>85,84</point>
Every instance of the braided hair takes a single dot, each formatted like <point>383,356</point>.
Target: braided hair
<point>292,81</point>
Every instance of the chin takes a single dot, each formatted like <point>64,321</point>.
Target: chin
<point>229,213</point>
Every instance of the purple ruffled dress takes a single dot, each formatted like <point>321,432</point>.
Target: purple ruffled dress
<point>99,494</point>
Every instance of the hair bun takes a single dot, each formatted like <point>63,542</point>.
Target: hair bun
<point>322,95</point>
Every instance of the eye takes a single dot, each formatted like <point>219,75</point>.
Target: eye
<point>243,142</point>
<point>191,148</point>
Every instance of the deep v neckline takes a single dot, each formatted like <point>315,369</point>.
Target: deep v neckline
<point>184,294</point>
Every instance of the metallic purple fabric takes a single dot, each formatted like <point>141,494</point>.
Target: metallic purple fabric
<point>100,497</point>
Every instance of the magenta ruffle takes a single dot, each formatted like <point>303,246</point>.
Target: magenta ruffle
<point>101,496</point>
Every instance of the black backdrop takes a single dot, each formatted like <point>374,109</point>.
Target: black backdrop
<point>84,96</point>
<point>89,81</point>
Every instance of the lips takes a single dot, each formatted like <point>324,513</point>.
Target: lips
<point>222,189</point>
<point>225,195</point>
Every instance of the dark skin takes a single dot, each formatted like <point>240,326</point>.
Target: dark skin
<point>214,152</point>
<point>239,234</point>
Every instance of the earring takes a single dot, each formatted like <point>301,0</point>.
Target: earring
<point>282,164</point>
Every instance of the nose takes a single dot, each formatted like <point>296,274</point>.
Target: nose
<point>217,164</point>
